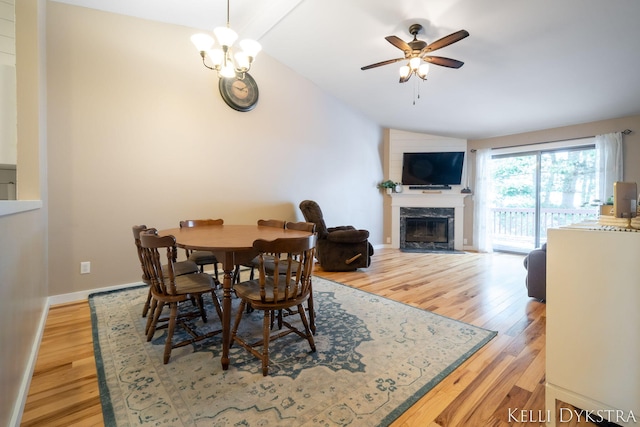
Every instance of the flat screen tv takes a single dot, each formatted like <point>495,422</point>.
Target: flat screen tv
<point>440,168</point>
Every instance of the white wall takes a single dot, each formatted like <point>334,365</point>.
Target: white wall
<point>23,226</point>
<point>138,134</point>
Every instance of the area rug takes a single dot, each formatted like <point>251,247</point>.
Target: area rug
<point>374,359</point>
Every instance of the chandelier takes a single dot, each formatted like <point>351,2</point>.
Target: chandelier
<point>222,58</point>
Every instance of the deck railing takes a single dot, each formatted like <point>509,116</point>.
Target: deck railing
<point>516,227</point>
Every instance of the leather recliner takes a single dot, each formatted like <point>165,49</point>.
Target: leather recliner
<point>536,265</point>
<point>341,248</point>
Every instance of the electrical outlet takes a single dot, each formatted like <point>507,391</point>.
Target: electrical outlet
<point>85,267</point>
<point>464,241</point>
<point>388,239</point>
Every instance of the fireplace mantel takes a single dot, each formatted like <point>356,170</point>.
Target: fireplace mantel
<point>428,199</point>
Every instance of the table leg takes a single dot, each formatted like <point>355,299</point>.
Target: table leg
<point>227,280</point>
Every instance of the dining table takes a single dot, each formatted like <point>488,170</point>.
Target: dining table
<point>232,245</point>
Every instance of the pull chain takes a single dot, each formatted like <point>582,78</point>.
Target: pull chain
<point>416,90</point>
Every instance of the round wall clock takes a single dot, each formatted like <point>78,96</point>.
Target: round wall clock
<point>239,93</point>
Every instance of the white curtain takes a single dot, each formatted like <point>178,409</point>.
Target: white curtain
<point>482,202</point>
<point>608,163</point>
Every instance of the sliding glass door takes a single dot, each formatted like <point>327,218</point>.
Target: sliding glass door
<point>537,190</point>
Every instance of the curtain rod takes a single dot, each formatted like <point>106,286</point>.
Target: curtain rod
<point>624,132</point>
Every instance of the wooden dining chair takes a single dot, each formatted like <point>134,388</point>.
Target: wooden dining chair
<point>310,227</point>
<point>272,293</point>
<point>277,223</point>
<point>169,289</point>
<point>202,258</point>
<point>180,267</point>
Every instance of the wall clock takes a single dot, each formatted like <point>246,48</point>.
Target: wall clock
<point>239,93</point>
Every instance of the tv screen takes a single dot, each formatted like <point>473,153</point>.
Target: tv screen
<point>441,168</point>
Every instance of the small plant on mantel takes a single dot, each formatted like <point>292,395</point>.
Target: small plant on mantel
<point>388,185</point>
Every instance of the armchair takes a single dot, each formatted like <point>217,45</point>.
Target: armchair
<point>536,265</point>
<point>341,248</point>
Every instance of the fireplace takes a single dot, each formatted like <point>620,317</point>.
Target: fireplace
<point>429,204</point>
<point>429,229</point>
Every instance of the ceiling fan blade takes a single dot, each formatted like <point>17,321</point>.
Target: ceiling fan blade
<point>445,62</point>
<point>399,43</point>
<point>445,41</point>
<point>379,64</point>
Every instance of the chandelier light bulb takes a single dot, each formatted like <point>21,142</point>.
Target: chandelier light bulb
<point>216,56</point>
<point>250,47</point>
<point>414,63</point>
<point>228,70</point>
<point>242,61</point>
<point>404,71</point>
<point>202,42</point>
<point>226,36</point>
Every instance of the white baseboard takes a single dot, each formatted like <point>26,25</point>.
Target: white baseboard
<point>83,295</point>
<point>18,408</point>
<point>381,246</point>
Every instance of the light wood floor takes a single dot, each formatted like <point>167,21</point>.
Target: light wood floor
<point>485,290</point>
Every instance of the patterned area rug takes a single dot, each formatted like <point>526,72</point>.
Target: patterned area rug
<point>375,358</point>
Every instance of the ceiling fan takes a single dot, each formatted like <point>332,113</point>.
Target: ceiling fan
<point>417,53</point>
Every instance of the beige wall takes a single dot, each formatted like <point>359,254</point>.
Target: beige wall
<point>631,149</point>
<point>23,281</point>
<point>138,134</point>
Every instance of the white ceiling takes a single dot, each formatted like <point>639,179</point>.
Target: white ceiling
<point>529,64</point>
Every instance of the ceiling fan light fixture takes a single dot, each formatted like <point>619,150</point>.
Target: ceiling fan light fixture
<point>422,71</point>
<point>418,53</point>
<point>414,63</point>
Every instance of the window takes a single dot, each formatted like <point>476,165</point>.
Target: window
<point>539,189</point>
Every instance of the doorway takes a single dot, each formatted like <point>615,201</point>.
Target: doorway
<point>536,190</point>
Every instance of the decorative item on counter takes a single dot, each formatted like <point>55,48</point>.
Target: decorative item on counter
<point>391,186</point>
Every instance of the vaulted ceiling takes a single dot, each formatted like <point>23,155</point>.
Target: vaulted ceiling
<point>529,64</point>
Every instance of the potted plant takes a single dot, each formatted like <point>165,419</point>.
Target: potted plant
<point>390,186</point>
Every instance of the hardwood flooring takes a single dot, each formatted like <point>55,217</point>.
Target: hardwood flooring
<point>500,385</point>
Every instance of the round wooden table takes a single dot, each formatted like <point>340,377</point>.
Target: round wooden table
<point>232,245</point>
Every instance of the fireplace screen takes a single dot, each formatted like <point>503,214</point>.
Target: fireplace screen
<point>427,230</point>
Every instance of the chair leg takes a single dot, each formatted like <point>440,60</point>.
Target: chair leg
<point>216,304</point>
<point>200,304</point>
<point>236,323</point>
<point>305,322</point>
<point>145,309</point>
<point>154,322</point>
<point>172,326</point>
<point>266,333</point>
<point>312,313</point>
<point>236,275</point>
<point>151,316</point>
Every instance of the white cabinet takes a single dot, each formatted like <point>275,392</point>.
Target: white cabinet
<point>593,323</point>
